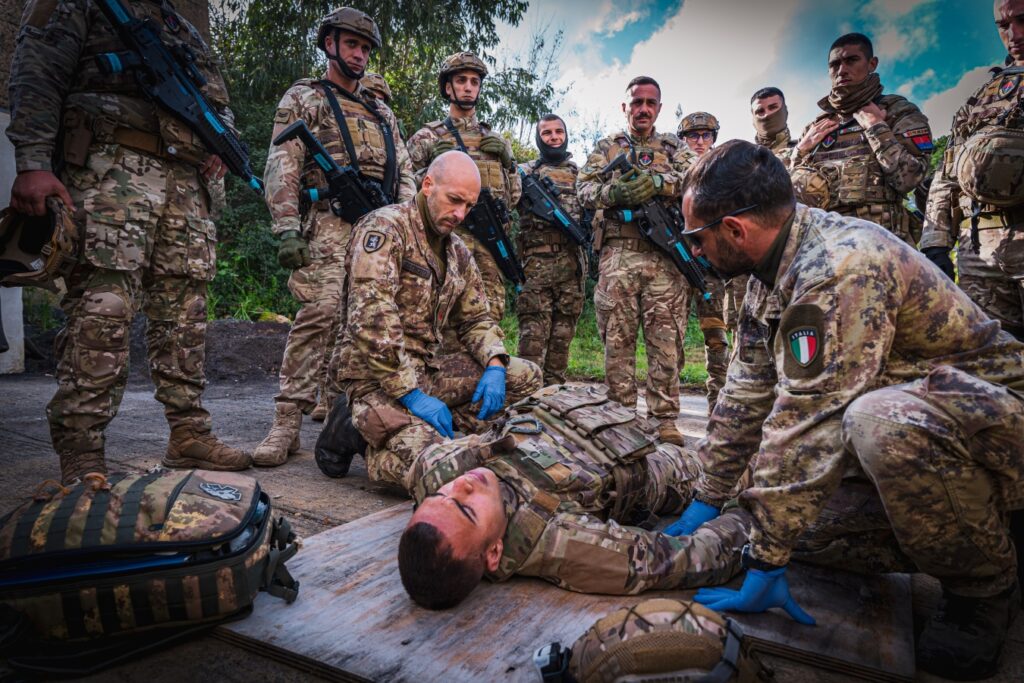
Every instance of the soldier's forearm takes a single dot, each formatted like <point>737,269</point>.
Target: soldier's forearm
<point>903,169</point>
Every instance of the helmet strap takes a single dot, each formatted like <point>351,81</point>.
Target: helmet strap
<point>464,106</point>
<point>336,58</point>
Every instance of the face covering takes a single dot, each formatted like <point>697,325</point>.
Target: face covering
<point>771,125</point>
<point>549,154</point>
<point>849,99</point>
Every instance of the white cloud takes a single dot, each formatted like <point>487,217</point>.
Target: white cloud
<point>617,23</point>
<point>893,9</point>
<point>907,88</point>
<point>940,107</point>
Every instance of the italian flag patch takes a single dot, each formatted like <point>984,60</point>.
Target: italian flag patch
<point>803,343</point>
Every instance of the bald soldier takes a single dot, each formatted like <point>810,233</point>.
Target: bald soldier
<point>409,277</point>
<point>866,150</point>
<point>882,407</point>
<point>543,494</point>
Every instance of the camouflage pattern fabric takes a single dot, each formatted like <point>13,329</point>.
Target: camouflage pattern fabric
<point>781,145</point>
<point>735,292</point>
<point>552,298</point>
<point>557,456</point>
<point>711,317</point>
<point>809,377</point>
<point>290,169</point>
<point>872,170</point>
<point>638,286</point>
<point>504,183</point>
<point>993,277</point>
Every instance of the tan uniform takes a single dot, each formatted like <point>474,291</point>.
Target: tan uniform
<point>290,169</point>
<point>504,183</point>
<point>639,287</point>
<point>399,297</point>
<point>781,145</point>
<point>905,386</point>
<point>552,298</point>
<point>565,503</point>
<point>870,171</point>
<point>993,276</point>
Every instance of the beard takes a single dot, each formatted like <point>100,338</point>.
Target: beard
<point>730,262</point>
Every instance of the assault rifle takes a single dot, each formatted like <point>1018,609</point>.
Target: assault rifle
<point>663,227</point>
<point>350,195</point>
<point>540,197</point>
<point>171,80</point>
<point>486,222</point>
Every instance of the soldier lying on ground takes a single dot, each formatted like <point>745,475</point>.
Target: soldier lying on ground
<point>543,493</point>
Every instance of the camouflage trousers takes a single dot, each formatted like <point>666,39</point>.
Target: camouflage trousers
<point>494,288</point>
<point>147,243</point>
<point>317,287</point>
<point>994,277</point>
<point>642,289</point>
<point>395,436</point>
<point>941,458</point>
<point>549,308</point>
<point>735,292</point>
<point>710,314</point>
<point>583,553</point>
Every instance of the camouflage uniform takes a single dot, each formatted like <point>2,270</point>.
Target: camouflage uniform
<point>906,375</point>
<point>781,145</point>
<point>147,239</point>
<point>504,183</point>
<point>711,317</point>
<point>399,297</point>
<point>993,276</point>
<point>560,497</point>
<point>638,284</point>
<point>552,298</point>
<point>869,172</point>
<point>290,168</point>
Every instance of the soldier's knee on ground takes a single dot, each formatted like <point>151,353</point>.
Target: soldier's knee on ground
<point>523,378</point>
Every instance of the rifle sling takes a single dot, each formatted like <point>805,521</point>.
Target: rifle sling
<point>389,141</point>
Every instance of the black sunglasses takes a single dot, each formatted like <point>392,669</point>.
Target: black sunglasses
<point>713,223</point>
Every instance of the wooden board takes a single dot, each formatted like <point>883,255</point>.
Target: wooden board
<point>354,622</point>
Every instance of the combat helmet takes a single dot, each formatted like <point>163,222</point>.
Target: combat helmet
<point>699,120</point>
<point>35,250</point>
<point>377,84</point>
<point>460,61</point>
<point>348,19</point>
<point>659,639</point>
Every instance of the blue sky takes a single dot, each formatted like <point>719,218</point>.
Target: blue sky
<point>711,55</point>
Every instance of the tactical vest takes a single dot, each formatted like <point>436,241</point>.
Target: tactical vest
<point>108,107</point>
<point>492,175</point>
<point>656,157</point>
<point>563,449</point>
<point>536,233</point>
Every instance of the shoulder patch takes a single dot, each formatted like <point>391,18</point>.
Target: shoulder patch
<point>801,330</point>
<point>282,116</point>
<point>373,241</point>
<point>1009,86</point>
<point>922,138</point>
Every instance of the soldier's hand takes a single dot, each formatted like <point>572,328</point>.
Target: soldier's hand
<point>818,131</point>
<point>632,192</point>
<point>495,145</point>
<point>440,147</point>
<point>869,115</point>
<point>213,168</point>
<point>490,391</point>
<point>293,252</point>
<point>761,590</point>
<point>431,410</point>
<point>940,257</point>
<point>696,515</point>
<point>31,188</point>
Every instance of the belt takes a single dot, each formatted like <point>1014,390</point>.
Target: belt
<point>105,130</point>
<point>1007,219</point>
<point>545,249</point>
<point>641,245</point>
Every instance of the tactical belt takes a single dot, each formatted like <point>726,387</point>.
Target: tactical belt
<point>105,130</point>
<point>632,243</point>
<point>1006,219</point>
<point>545,249</point>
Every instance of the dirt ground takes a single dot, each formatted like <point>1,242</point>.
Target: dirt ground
<point>243,364</point>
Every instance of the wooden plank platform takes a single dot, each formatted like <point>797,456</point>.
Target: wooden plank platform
<point>354,622</point>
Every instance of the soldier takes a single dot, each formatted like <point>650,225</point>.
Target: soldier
<point>700,132</point>
<point>408,277</point>
<point>484,507</point>
<point>349,121</point>
<point>460,80</point>
<point>638,285</point>
<point>867,150</point>
<point>976,201</point>
<point>376,84</point>
<point>893,410</point>
<point>556,268</point>
<point>137,177</point>
<point>771,122</point>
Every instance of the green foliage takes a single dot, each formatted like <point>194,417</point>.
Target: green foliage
<point>939,151</point>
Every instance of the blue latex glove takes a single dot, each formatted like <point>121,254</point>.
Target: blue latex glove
<point>694,516</point>
<point>490,388</point>
<point>760,591</point>
<point>429,409</point>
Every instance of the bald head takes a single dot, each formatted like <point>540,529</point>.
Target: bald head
<point>1009,18</point>
<point>451,186</point>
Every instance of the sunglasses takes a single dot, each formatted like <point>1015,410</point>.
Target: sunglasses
<point>715,222</point>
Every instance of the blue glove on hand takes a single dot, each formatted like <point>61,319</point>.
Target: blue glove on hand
<point>429,409</point>
<point>491,388</point>
<point>694,516</point>
<point>760,591</point>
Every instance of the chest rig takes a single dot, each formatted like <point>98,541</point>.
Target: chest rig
<point>467,138</point>
<point>654,156</point>
<point>539,236</point>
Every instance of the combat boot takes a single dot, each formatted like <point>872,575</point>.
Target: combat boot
<point>189,447</point>
<point>339,441</point>
<point>964,638</point>
<point>283,439</point>
<point>668,432</point>
<point>323,407</point>
<point>76,465</point>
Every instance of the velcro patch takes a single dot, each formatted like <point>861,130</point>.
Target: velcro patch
<point>922,139</point>
<point>801,331</point>
<point>282,116</point>
<point>373,241</point>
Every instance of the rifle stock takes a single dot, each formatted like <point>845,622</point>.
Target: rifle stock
<point>541,200</point>
<point>486,222</point>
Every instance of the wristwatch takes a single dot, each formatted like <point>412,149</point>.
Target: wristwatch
<point>748,562</point>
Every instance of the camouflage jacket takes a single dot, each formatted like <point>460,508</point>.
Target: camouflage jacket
<point>54,73</point>
<point>563,458</point>
<point>822,336</point>
<point>400,298</point>
<point>874,166</point>
<point>535,232</point>
<point>290,167</point>
<point>781,145</point>
<point>503,182</point>
<point>947,204</point>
